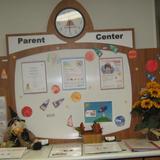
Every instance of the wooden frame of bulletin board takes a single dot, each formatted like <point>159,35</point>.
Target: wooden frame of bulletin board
<point>25,45</point>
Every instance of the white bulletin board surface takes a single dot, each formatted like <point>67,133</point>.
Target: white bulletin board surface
<point>76,87</point>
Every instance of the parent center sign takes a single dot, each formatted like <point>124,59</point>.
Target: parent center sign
<point>27,41</point>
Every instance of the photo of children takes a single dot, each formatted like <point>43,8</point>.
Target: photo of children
<point>107,68</point>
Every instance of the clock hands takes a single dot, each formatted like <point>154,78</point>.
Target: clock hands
<point>70,24</point>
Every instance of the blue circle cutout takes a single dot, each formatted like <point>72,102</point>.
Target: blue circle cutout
<point>120,121</point>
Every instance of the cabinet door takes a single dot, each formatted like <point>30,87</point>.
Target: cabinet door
<point>153,158</point>
<point>133,159</point>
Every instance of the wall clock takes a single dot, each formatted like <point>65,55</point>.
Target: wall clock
<point>69,23</point>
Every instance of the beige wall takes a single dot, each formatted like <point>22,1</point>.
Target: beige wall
<point>30,16</point>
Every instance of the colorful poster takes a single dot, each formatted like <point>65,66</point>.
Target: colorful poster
<point>73,73</point>
<point>111,73</point>
<point>34,77</point>
<point>98,111</point>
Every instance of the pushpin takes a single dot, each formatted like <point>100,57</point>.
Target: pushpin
<point>98,52</point>
<point>113,48</point>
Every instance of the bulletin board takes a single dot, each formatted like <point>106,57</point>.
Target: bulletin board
<point>58,82</point>
<point>139,64</point>
<point>62,88</point>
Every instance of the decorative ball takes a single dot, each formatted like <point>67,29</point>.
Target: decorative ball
<point>132,54</point>
<point>151,65</point>
<point>89,56</point>
<point>76,96</point>
<point>27,111</point>
<point>55,89</point>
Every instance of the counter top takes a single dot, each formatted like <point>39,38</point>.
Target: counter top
<point>44,154</point>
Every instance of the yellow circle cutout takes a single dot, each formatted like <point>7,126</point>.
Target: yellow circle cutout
<point>76,96</point>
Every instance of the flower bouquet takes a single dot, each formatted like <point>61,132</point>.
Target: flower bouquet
<point>147,107</point>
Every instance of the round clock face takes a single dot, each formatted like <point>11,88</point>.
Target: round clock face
<point>69,23</point>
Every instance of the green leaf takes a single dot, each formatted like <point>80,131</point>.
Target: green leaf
<point>153,122</point>
<point>140,126</point>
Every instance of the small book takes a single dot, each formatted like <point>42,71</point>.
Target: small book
<point>139,145</point>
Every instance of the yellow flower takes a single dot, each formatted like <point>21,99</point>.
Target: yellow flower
<point>146,104</point>
<point>158,93</point>
<point>157,105</point>
<point>143,92</point>
<point>152,84</point>
<point>154,92</point>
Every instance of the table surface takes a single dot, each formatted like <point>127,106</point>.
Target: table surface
<point>44,153</point>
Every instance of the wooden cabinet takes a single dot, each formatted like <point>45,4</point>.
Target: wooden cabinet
<point>148,158</point>
<point>133,159</point>
<point>153,158</point>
